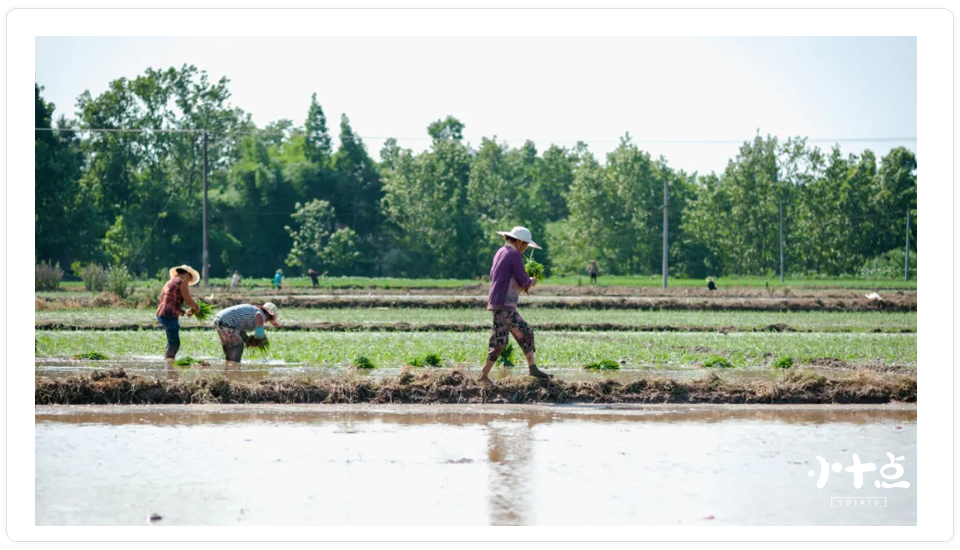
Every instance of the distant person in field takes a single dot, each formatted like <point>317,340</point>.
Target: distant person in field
<point>235,282</point>
<point>314,277</point>
<point>594,271</point>
<point>710,284</point>
<point>233,323</point>
<point>278,278</point>
<point>507,277</point>
<point>175,293</point>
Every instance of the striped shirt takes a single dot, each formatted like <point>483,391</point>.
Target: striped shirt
<point>241,317</point>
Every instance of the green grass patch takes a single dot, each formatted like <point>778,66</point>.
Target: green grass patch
<point>805,320</point>
<point>646,350</point>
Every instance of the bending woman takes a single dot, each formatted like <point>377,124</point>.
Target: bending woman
<point>233,323</point>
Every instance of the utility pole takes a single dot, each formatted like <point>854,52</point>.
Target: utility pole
<point>781,242</point>
<point>906,257</point>
<point>206,250</point>
<point>666,232</point>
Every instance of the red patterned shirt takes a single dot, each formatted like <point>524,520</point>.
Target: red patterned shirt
<point>171,300</point>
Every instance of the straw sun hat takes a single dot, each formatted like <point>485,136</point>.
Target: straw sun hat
<point>521,234</point>
<point>193,273</point>
<point>272,310</point>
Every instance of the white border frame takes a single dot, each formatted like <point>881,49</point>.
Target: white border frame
<point>933,27</point>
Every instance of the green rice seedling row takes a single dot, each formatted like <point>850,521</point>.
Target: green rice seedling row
<point>750,350</point>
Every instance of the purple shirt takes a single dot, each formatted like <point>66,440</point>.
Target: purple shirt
<point>507,277</point>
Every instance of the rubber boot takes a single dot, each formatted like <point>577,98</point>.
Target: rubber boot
<point>537,373</point>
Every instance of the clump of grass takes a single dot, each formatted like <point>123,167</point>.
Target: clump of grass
<point>783,362</point>
<point>94,278</point>
<point>186,361</point>
<point>605,364</point>
<point>91,355</point>
<point>508,356</point>
<point>205,311</point>
<point>119,280</point>
<point>48,275</point>
<point>361,362</point>
<point>717,362</point>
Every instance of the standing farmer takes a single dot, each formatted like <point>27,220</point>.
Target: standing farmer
<point>174,294</point>
<point>235,282</point>
<point>507,278</point>
<point>593,270</point>
<point>278,278</point>
<point>233,323</point>
<point>313,277</point>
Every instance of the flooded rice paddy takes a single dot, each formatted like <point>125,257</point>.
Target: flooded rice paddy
<point>467,465</point>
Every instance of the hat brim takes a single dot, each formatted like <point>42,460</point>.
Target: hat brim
<point>529,243</point>
<point>193,273</point>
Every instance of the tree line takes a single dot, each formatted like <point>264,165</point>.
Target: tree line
<point>285,196</point>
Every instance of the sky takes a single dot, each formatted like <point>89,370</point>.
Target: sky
<point>549,90</point>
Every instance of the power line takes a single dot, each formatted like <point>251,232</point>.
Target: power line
<point>422,138</point>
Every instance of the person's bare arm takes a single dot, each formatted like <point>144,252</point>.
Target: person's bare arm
<point>185,292</point>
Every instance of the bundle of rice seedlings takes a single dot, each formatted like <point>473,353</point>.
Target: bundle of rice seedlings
<point>605,364</point>
<point>534,269</point>
<point>783,362</point>
<point>508,356</point>
<point>261,348</point>
<point>431,360</point>
<point>362,362</point>
<point>91,355</point>
<point>717,362</point>
<point>205,311</point>
<point>186,361</point>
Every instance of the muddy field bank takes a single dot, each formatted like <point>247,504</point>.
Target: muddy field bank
<point>467,327</point>
<point>456,386</point>
<point>904,303</point>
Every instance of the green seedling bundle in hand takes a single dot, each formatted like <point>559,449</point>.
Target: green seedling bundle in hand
<point>205,311</point>
<point>534,269</point>
<point>261,348</point>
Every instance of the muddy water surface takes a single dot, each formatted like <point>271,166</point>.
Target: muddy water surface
<point>467,465</point>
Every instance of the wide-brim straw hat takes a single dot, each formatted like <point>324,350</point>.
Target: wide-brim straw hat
<point>521,234</point>
<point>272,310</point>
<point>193,273</point>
